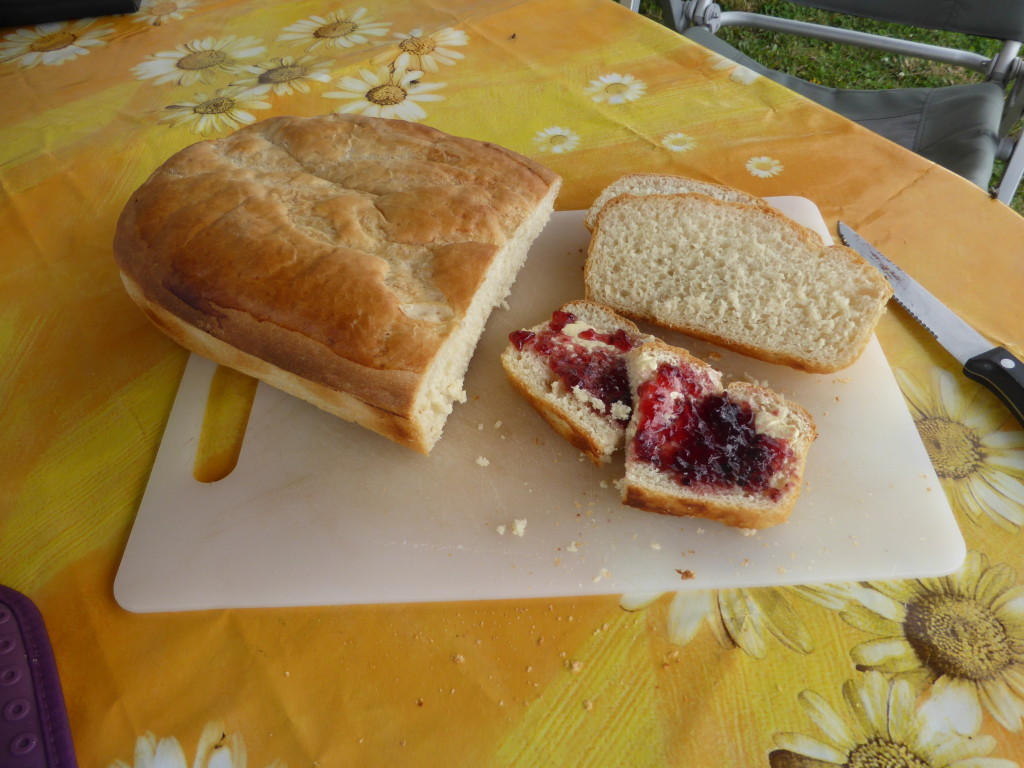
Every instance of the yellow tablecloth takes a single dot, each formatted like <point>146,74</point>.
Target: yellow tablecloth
<point>915,673</point>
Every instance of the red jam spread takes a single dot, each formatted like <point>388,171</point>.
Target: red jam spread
<point>704,440</point>
<point>600,371</point>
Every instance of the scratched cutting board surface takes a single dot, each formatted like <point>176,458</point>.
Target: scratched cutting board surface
<point>321,512</point>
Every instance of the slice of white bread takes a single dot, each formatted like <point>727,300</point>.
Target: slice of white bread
<point>578,416</point>
<point>741,276</point>
<point>640,184</point>
<point>693,448</point>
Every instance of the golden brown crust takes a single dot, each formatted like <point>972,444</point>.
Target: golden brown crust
<point>340,249</point>
<point>651,500</point>
<point>560,421</point>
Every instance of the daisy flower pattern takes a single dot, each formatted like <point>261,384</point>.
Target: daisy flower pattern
<point>678,142</point>
<point>226,109</point>
<point>981,469</point>
<point>156,12</point>
<point>335,30</point>
<point>737,72</point>
<point>52,44</point>
<point>285,74</point>
<point>739,618</point>
<point>384,93</point>
<point>427,52</point>
<point>615,89</point>
<point>216,749</point>
<point>556,140</point>
<point>198,61</point>
<point>962,634</point>
<point>763,167</point>
<point>883,728</point>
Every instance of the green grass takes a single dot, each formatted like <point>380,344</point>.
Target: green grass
<point>844,66</point>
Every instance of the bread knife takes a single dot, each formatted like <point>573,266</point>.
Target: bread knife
<point>993,367</point>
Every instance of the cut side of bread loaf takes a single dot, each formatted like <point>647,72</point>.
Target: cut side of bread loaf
<point>640,184</point>
<point>348,260</point>
<point>693,448</point>
<point>572,370</point>
<point>741,276</point>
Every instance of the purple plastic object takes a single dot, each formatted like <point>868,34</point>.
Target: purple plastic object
<point>34,730</point>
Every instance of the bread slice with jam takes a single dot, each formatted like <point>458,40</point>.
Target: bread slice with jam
<point>694,448</point>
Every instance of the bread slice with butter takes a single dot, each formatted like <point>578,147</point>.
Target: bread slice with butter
<point>572,370</point>
<point>694,448</point>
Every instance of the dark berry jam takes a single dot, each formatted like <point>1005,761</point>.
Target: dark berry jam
<point>704,440</point>
<point>600,371</point>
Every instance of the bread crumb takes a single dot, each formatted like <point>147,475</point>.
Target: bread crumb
<point>575,666</point>
<point>573,547</point>
<point>501,530</point>
<point>497,424</point>
<point>519,528</point>
<point>588,705</point>
<point>713,355</point>
<point>480,426</point>
<point>655,545</point>
<point>605,573</point>
<point>781,570</point>
<point>458,658</point>
<point>748,531</point>
<point>482,461</point>
<point>687,574</point>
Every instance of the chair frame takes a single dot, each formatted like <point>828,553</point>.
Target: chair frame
<point>1006,68</point>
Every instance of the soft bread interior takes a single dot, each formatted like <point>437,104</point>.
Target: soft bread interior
<point>740,276</point>
<point>443,381</point>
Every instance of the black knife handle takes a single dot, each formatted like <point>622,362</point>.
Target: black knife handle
<point>1003,374</point>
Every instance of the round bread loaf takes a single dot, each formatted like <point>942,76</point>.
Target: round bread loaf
<point>351,261</point>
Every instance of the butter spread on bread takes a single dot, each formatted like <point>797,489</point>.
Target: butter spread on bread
<point>350,261</point>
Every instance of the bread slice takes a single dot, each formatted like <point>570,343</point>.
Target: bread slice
<point>579,415</point>
<point>640,184</point>
<point>740,276</point>
<point>348,260</point>
<point>693,448</point>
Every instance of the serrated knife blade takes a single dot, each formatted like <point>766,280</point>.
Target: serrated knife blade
<point>994,367</point>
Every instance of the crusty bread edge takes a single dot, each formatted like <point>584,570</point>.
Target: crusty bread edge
<point>340,404</point>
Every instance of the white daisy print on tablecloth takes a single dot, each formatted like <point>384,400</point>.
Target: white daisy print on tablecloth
<point>882,727</point>
<point>678,142</point>
<point>763,167</point>
<point>383,93</point>
<point>216,749</point>
<point>198,61</point>
<point>338,29</point>
<point>427,52</point>
<point>963,635</point>
<point>157,12</point>
<point>738,618</point>
<point>615,89</point>
<point>556,140</point>
<point>52,44</point>
<point>286,74</point>
<point>225,109</point>
<point>981,468</point>
<point>737,72</point>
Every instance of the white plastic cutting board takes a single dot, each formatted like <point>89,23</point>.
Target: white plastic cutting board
<point>319,511</point>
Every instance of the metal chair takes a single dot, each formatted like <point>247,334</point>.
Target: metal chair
<point>964,128</point>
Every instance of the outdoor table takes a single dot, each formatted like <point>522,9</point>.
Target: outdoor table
<point>926,671</point>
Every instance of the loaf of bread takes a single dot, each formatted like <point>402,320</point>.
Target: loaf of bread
<point>572,370</point>
<point>640,184</point>
<point>693,448</point>
<point>350,261</point>
<point>741,276</point>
